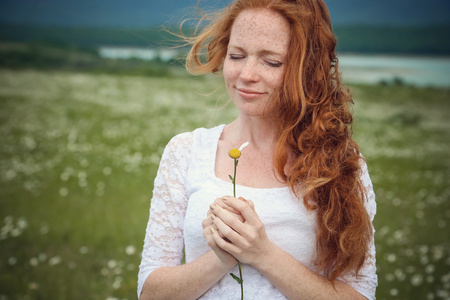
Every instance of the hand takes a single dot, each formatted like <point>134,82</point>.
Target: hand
<point>220,202</point>
<point>245,238</point>
<point>209,229</point>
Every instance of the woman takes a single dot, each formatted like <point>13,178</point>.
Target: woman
<point>306,233</point>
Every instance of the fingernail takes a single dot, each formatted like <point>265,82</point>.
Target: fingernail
<point>213,217</point>
<point>212,206</point>
<point>212,230</point>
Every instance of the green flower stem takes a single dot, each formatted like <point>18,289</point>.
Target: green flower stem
<point>240,281</point>
<point>234,177</point>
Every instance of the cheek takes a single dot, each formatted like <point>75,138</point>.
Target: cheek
<point>229,73</point>
<point>276,80</point>
<point>226,71</point>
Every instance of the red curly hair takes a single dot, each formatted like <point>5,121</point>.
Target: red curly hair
<point>315,154</point>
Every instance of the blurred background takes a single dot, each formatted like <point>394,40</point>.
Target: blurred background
<point>91,92</point>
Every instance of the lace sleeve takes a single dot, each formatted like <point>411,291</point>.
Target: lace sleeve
<point>163,244</point>
<point>367,280</point>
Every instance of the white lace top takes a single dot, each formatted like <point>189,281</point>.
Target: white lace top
<point>186,185</point>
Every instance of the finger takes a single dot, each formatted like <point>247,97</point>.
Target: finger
<point>242,198</point>
<point>250,202</point>
<point>206,222</point>
<point>209,238</point>
<point>221,243</point>
<point>228,218</point>
<point>245,209</point>
<point>236,215</point>
<point>226,231</point>
<point>207,231</point>
<point>220,202</point>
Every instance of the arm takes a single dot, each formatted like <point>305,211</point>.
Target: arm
<point>296,281</point>
<point>187,281</point>
<point>160,274</point>
<point>250,244</point>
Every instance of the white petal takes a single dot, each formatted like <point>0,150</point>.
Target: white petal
<point>243,146</point>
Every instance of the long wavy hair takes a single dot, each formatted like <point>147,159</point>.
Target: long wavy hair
<point>315,154</point>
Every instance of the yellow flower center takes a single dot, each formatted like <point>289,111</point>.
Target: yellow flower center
<point>234,153</point>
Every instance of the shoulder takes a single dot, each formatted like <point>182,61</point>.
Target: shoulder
<point>364,172</point>
<point>370,203</point>
<point>183,144</point>
<point>180,142</point>
<point>206,134</point>
<point>205,139</point>
<point>176,154</point>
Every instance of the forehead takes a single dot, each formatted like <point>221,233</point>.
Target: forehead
<point>262,28</point>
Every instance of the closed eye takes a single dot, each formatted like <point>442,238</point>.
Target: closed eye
<point>236,56</point>
<point>274,64</point>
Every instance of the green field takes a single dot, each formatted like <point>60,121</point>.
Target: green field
<point>79,152</point>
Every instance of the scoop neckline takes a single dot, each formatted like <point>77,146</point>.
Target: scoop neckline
<point>212,170</point>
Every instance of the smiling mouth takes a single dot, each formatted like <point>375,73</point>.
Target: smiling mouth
<point>249,94</point>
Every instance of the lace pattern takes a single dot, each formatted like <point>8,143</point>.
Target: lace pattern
<point>185,186</point>
<point>163,244</point>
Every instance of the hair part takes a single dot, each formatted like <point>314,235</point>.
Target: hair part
<point>315,154</point>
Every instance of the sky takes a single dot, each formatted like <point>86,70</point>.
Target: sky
<point>143,13</point>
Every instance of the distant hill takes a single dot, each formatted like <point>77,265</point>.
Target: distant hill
<point>385,39</point>
<point>141,13</point>
<point>414,40</point>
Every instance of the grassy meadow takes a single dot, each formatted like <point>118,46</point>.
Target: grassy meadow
<point>79,152</point>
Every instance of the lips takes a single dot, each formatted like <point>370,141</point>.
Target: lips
<point>249,93</point>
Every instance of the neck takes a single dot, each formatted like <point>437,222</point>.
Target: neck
<point>261,134</point>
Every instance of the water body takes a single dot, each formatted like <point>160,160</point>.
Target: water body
<point>373,69</point>
<point>355,68</point>
<point>147,54</point>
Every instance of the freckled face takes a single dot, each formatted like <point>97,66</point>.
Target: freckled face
<point>254,66</point>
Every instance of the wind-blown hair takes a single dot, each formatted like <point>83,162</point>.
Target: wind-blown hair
<point>315,153</point>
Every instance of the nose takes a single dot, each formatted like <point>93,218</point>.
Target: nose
<point>249,72</point>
